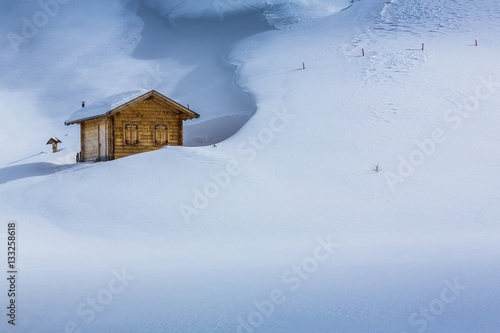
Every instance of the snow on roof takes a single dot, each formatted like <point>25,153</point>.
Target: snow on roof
<point>54,140</point>
<point>100,108</point>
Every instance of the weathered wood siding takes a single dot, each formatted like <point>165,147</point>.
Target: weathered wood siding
<point>90,139</point>
<point>110,138</point>
<point>146,115</point>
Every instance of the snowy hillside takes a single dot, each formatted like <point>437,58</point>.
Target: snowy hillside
<point>284,225</point>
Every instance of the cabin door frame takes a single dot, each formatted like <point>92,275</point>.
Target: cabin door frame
<point>101,142</point>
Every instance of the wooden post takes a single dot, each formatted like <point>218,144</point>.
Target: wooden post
<point>303,66</point>
<point>363,50</point>
<point>54,147</point>
<point>422,46</point>
<point>476,42</point>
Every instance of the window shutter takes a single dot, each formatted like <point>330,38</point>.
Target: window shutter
<point>135,138</point>
<point>164,137</point>
<point>131,134</point>
<point>128,137</point>
<point>161,135</point>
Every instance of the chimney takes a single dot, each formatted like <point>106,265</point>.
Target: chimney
<point>83,104</point>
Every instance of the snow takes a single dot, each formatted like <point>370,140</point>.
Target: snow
<point>283,226</point>
<point>276,10</point>
<point>101,107</point>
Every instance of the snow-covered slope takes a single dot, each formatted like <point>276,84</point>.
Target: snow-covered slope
<point>284,226</point>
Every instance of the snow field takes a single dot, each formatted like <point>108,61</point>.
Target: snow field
<point>212,235</point>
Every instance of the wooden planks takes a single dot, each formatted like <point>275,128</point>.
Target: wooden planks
<point>90,139</point>
<point>148,116</point>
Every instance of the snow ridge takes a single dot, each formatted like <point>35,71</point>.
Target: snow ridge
<point>279,13</point>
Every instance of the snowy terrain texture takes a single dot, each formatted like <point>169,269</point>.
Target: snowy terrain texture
<point>285,225</point>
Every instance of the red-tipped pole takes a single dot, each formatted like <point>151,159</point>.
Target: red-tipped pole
<point>476,42</point>
<point>303,66</point>
<point>422,46</point>
<point>363,50</point>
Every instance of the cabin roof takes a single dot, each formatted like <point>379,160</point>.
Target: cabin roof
<point>112,104</point>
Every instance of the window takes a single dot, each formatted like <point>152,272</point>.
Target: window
<point>131,134</point>
<point>161,135</point>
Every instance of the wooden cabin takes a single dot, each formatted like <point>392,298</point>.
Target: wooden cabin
<point>128,124</point>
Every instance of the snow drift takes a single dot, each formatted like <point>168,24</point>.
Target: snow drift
<point>278,12</point>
